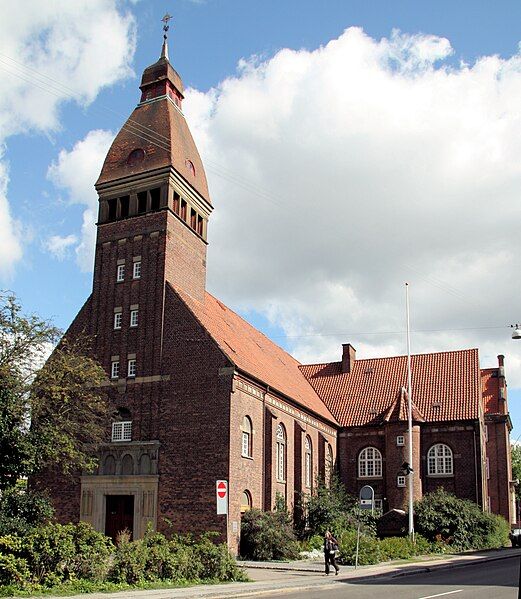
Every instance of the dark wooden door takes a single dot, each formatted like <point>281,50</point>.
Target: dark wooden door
<point>119,515</point>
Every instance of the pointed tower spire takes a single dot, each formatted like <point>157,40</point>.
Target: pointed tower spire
<point>166,27</point>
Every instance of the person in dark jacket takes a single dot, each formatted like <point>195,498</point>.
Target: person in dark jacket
<point>330,549</point>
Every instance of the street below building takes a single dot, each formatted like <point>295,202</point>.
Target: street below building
<point>493,580</point>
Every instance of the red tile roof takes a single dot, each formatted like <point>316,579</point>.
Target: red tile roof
<point>255,354</point>
<point>399,410</point>
<point>445,386</point>
<point>490,386</point>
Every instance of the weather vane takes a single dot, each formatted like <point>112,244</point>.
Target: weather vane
<point>166,27</point>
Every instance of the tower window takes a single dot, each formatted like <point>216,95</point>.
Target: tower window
<point>114,372</point>
<point>136,156</point>
<point>118,317</point>
<point>113,208</point>
<point>131,368</point>
<point>183,209</point>
<point>400,440</point>
<point>199,225</point>
<point>120,273</point>
<point>142,202</point>
<point>193,219</point>
<point>400,481</point>
<point>133,318</point>
<point>155,194</point>
<point>177,200</point>
<point>124,204</point>
<point>136,273</point>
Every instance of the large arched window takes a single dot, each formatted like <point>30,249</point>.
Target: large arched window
<point>328,467</point>
<point>245,501</point>
<point>281,453</point>
<point>439,460</point>
<point>370,463</point>
<point>308,462</point>
<point>246,445</point>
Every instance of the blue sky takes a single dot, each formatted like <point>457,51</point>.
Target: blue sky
<point>304,299</point>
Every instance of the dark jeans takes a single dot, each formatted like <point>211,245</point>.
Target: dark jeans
<point>329,558</point>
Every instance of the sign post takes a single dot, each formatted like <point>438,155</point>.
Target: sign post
<point>366,503</point>
<point>221,495</point>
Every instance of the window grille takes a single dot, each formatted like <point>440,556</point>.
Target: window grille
<point>400,440</point>
<point>370,463</point>
<point>439,460</point>
<point>281,453</point>
<point>122,431</point>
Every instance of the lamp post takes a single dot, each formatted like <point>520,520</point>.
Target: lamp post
<point>410,475</point>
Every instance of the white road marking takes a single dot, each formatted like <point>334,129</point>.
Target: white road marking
<point>441,594</point>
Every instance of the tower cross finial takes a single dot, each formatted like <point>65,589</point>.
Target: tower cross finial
<point>166,27</point>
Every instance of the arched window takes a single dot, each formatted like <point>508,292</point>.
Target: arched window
<point>246,447</point>
<point>109,465</point>
<point>308,462</point>
<point>127,464</point>
<point>245,501</point>
<point>145,466</point>
<point>439,460</point>
<point>370,463</point>
<point>122,427</point>
<point>281,453</point>
<point>328,469</point>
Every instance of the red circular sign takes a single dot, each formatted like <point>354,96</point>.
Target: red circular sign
<point>221,490</point>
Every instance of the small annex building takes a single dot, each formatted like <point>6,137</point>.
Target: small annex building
<point>200,395</point>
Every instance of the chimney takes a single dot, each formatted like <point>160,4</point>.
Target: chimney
<point>348,357</point>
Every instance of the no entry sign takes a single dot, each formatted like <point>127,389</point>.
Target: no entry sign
<point>221,491</point>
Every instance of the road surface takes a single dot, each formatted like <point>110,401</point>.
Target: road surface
<point>492,580</point>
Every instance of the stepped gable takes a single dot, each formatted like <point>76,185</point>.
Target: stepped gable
<point>490,386</point>
<point>156,135</point>
<point>254,354</point>
<point>445,386</point>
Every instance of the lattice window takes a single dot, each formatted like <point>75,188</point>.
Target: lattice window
<point>439,460</point>
<point>122,431</point>
<point>281,453</point>
<point>370,463</point>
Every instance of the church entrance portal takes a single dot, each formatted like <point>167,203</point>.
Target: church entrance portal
<point>119,515</point>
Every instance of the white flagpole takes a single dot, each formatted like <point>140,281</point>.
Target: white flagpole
<point>409,405</point>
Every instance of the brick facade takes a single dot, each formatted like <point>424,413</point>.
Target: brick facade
<point>204,376</point>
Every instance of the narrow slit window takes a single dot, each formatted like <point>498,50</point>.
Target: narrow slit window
<point>113,208</point>
<point>124,204</point>
<point>183,209</point>
<point>155,194</point>
<point>199,225</point>
<point>193,219</point>
<point>142,202</point>
<point>177,200</point>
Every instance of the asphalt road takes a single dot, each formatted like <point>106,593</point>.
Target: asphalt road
<point>492,580</point>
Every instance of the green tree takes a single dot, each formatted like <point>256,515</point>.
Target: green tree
<point>516,467</point>
<point>52,411</point>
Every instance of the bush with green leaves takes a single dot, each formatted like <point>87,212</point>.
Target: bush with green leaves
<point>369,550</point>
<point>444,518</point>
<point>267,536</point>
<point>22,509</point>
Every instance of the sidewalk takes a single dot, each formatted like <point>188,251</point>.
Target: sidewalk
<point>269,577</point>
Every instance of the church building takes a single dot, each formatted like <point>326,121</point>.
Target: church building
<point>199,395</point>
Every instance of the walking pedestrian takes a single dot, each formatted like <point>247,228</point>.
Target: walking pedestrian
<point>330,549</point>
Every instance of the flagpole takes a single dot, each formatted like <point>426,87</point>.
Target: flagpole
<point>409,410</point>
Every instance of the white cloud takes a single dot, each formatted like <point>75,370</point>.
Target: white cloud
<point>372,163</point>
<point>51,53</point>
<point>76,171</point>
<point>59,245</point>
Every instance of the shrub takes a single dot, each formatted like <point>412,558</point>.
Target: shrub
<point>442,517</point>
<point>129,561</point>
<point>92,553</point>
<point>369,551</point>
<point>267,536</point>
<point>21,510</point>
<point>13,569</point>
<point>215,561</point>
